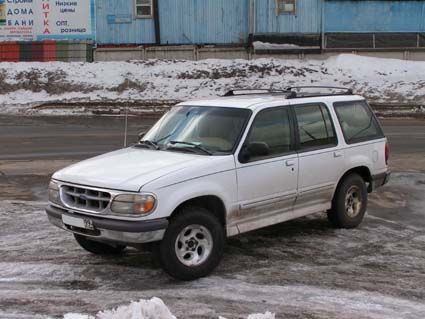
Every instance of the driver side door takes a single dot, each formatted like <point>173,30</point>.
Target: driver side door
<point>267,183</point>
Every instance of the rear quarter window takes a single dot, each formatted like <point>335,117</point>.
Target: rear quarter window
<point>358,123</point>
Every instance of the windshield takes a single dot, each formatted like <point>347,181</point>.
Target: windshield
<point>214,130</point>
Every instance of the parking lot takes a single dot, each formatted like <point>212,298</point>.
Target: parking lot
<point>299,269</point>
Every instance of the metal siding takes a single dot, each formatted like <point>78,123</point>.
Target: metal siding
<point>203,21</point>
<point>307,18</point>
<point>138,31</point>
<point>374,16</point>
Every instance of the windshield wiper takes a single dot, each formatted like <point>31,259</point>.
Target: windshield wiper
<point>308,133</point>
<point>150,144</point>
<point>364,129</point>
<point>194,145</point>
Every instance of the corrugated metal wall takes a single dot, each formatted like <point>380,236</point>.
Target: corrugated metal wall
<point>137,31</point>
<point>374,16</point>
<point>203,21</point>
<point>307,18</point>
<point>227,21</point>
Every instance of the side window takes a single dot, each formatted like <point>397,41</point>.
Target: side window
<point>315,127</point>
<point>357,121</point>
<point>271,127</point>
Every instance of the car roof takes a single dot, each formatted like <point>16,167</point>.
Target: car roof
<point>251,101</point>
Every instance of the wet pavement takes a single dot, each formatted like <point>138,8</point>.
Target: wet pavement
<point>298,269</point>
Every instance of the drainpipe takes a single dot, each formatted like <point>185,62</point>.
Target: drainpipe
<point>252,16</point>
<point>323,25</point>
<point>156,22</point>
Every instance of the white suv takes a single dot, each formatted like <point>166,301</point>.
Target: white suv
<point>212,169</point>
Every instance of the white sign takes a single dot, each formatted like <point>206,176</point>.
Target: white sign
<point>46,19</point>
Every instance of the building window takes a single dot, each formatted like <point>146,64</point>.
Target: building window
<point>285,7</point>
<point>144,8</point>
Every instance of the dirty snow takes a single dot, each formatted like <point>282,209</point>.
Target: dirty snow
<point>259,45</point>
<point>29,84</point>
<point>143,309</point>
<point>147,309</point>
<point>299,269</point>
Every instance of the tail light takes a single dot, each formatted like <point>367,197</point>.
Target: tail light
<point>387,153</point>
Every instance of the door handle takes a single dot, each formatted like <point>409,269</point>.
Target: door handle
<point>290,163</point>
<point>337,154</point>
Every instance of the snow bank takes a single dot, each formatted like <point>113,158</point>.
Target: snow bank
<point>143,309</point>
<point>28,84</point>
<point>146,309</point>
<point>258,45</point>
<point>267,315</point>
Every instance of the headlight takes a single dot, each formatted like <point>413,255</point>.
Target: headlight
<point>133,204</point>
<point>54,196</point>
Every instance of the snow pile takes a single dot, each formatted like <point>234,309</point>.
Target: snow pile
<point>143,309</point>
<point>146,309</point>
<point>267,315</point>
<point>29,84</point>
<point>258,45</point>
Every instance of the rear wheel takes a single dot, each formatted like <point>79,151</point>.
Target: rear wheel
<point>193,244</point>
<point>98,248</point>
<point>349,203</point>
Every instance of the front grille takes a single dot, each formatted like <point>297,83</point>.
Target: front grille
<point>86,199</point>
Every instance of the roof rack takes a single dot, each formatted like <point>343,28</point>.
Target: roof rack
<point>235,92</point>
<point>293,92</point>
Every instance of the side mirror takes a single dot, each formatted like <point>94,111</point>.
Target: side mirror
<point>141,135</point>
<point>254,149</point>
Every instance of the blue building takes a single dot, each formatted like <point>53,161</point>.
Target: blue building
<point>327,23</point>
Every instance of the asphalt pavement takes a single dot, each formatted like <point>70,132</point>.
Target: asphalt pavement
<point>27,138</point>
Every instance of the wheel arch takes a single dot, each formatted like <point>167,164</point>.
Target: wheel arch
<point>362,171</point>
<point>212,203</point>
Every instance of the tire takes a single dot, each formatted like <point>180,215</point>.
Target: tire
<point>98,248</point>
<point>193,244</point>
<point>349,203</point>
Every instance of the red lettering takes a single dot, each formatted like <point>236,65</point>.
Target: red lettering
<point>46,12</point>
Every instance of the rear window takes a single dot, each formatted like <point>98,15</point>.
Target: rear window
<point>358,123</point>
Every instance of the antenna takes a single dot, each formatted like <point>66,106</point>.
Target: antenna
<point>126,126</point>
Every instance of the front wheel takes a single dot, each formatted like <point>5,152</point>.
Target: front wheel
<point>349,203</point>
<point>98,248</point>
<point>193,244</point>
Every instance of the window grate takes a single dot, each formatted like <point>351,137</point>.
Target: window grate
<point>144,8</point>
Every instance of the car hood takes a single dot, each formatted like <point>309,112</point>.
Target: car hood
<point>127,169</point>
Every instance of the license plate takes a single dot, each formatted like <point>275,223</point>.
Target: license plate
<point>77,222</point>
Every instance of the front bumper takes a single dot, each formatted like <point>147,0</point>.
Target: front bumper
<point>109,230</point>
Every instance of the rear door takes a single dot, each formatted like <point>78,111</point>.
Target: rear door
<point>267,185</point>
<point>321,163</point>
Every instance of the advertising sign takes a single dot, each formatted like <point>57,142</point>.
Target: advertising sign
<point>34,20</point>
<point>2,13</point>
